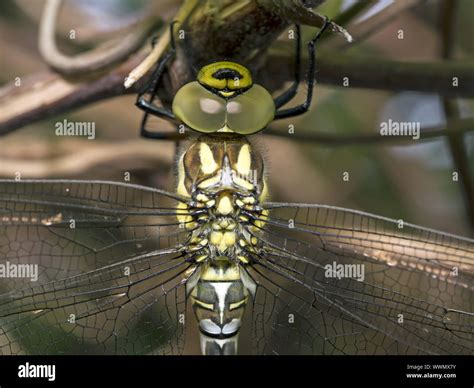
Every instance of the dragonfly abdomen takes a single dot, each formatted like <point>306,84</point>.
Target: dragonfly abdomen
<point>219,291</point>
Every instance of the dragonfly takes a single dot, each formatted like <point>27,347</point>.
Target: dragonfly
<point>119,268</point>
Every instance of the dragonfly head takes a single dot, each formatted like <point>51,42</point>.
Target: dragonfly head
<point>224,99</point>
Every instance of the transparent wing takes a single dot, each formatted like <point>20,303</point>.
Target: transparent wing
<point>109,268</point>
<point>415,294</point>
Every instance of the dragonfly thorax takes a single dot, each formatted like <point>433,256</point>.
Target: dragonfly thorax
<point>224,228</point>
<point>224,183</point>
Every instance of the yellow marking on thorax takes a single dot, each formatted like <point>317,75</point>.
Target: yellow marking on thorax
<point>184,217</point>
<point>260,223</point>
<point>224,205</point>
<point>222,240</point>
<point>244,160</point>
<point>243,183</point>
<point>208,163</point>
<point>209,182</point>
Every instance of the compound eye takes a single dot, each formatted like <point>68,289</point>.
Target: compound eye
<point>250,111</point>
<point>199,108</point>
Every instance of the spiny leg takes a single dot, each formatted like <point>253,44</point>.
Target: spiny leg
<point>290,93</point>
<point>302,108</point>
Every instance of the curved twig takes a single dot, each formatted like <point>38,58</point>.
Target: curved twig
<point>151,59</point>
<point>104,55</point>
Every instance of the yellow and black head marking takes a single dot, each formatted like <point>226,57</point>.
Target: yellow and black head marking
<point>224,97</point>
<point>226,79</point>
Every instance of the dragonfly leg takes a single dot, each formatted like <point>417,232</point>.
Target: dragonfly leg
<point>302,108</point>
